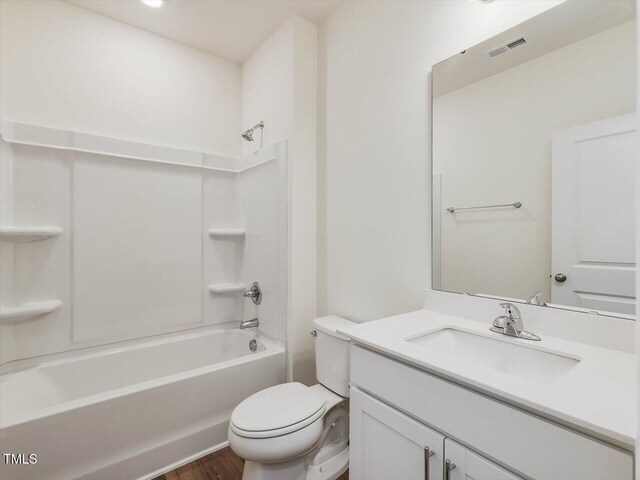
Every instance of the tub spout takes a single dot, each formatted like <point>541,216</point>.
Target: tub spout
<point>254,322</point>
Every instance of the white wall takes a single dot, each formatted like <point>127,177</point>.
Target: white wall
<point>267,84</point>
<point>507,252</point>
<point>638,240</point>
<point>261,196</point>
<point>374,152</point>
<point>64,67</point>
<point>279,87</point>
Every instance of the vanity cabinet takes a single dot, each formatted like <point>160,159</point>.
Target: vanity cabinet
<point>386,444</point>
<point>392,403</point>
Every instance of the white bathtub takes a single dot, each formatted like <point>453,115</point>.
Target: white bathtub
<point>133,411</point>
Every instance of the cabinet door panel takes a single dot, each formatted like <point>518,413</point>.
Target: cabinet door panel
<point>470,466</point>
<point>386,444</point>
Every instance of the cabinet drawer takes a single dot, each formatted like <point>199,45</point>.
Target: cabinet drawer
<point>530,445</point>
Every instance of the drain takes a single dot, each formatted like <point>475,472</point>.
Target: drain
<point>253,345</point>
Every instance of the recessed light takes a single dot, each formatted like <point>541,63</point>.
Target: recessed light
<point>153,3</point>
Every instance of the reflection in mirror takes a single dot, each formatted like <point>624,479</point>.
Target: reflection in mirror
<point>534,138</point>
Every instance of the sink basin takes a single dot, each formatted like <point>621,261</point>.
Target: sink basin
<point>507,357</point>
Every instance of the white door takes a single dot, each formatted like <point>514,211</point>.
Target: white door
<point>387,445</point>
<point>462,464</point>
<point>594,215</point>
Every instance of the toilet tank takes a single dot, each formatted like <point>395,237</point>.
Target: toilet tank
<point>332,354</point>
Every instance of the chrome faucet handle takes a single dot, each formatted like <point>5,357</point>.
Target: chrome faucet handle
<point>511,309</point>
<point>512,312</point>
<point>254,293</point>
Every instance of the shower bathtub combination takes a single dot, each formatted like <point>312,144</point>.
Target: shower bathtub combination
<point>120,352</point>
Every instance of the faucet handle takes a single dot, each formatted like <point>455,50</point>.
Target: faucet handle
<point>511,310</point>
<point>513,314</point>
<point>254,293</point>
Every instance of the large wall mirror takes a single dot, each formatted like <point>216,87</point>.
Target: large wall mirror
<point>534,158</point>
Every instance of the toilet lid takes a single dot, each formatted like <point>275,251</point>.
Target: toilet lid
<point>278,407</point>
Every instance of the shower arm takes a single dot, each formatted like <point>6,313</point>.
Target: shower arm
<point>261,127</point>
<point>248,134</point>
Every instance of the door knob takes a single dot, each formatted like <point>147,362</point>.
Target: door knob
<point>560,277</point>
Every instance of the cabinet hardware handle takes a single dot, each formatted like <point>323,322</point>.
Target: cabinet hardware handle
<point>448,466</point>
<point>427,453</point>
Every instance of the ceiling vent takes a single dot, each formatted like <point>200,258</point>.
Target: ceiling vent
<point>506,47</point>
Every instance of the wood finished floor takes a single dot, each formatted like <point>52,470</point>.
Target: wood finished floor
<point>220,465</point>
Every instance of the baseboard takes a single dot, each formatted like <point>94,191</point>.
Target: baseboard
<point>184,461</point>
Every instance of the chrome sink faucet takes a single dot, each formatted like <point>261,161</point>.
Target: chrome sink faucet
<point>511,323</point>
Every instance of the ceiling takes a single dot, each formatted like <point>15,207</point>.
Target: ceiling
<point>231,29</point>
<point>553,29</point>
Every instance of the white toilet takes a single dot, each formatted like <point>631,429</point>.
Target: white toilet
<point>294,432</point>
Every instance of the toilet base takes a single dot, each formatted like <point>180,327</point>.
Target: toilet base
<point>331,469</point>
<point>298,469</point>
<point>293,470</point>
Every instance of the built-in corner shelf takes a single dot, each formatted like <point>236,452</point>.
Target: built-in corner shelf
<point>28,234</point>
<point>227,287</point>
<point>24,311</point>
<point>230,233</point>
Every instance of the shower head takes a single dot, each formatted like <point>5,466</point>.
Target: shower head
<point>248,134</point>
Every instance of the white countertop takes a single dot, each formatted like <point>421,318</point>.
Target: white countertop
<point>597,396</point>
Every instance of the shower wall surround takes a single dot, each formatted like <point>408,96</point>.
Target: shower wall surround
<point>69,68</point>
<point>128,240</point>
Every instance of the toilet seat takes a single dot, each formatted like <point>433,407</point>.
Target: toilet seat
<point>276,411</point>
